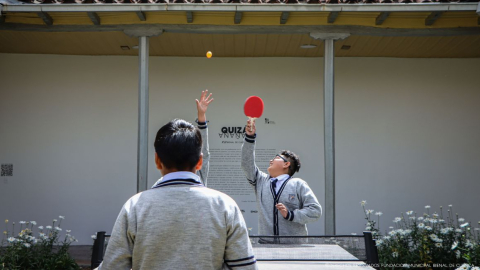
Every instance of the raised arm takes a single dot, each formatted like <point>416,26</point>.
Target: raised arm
<point>249,167</point>
<point>202,106</point>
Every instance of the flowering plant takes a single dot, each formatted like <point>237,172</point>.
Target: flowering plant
<point>428,240</point>
<point>47,250</point>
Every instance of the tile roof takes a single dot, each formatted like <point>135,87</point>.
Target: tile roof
<point>280,2</point>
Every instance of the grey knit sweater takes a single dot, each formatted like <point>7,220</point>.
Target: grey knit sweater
<point>295,194</point>
<point>180,224</point>
<point>203,173</point>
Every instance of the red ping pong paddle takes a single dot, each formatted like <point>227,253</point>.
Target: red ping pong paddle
<point>253,107</point>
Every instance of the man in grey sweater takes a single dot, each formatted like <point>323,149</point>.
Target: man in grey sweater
<point>278,194</point>
<point>179,223</point>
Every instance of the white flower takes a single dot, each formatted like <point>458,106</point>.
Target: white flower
<point>392,233</point>
<point>41,234</point>
<point>49,227</point>
<point>391,227</point>
<point>412,218</point>
<point>438,244</point>
<point>441,221</point>
<point>27,245</point>
<point>464,266</point>
<point>458,254</point>
<point>444,231</point>
<point>461,220</point>
<point>23,222</point>
<point>454,245</point>
<point>406,265</point>
<point>420,218</point>
<point>378,213</point>
<point>475,268</point>
<point>11,239</point>
<point>369,211</point>
<point>409,213</point>
<point>61,217</point>
<point>433,237</point>
<point>55,220</point>
<point>397,219</point>
<point>458,230</point>
<point>34,223</point>
<point>408,231</point>
<point>386,238</point>
<point>58,228</point>
<point>378,242</point>
<point>435,215</point>
<point>469,244</point>
<point>94,236</point>
<point>395,254</point>
<point>368,228</point>
<point>428,228</point>
<point>464,225</point>
<point>40,227</point>
<point>450,205</point>
<point>427,206</point>
<point>69,231</point>
<point>363,203</point>
<point>421,225</point>
<point>433,221</point>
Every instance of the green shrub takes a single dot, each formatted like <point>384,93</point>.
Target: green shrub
<point>46,251</point>
<point>431,240</point>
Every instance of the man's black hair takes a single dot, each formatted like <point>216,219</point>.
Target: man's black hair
<point>178,144</point>
<point>294,161</point>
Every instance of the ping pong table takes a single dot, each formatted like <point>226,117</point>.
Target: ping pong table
<point>313,252</point>
<point>350,252</point>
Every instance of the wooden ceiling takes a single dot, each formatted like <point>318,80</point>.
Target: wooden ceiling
<point>237,45</point>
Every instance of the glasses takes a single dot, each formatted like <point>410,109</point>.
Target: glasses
<point>284,159</point>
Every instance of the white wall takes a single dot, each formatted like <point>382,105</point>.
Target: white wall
<point>406,130</point>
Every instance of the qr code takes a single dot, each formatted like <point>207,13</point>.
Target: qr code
<point>7,170</point>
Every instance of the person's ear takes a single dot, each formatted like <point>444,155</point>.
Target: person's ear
<point>199,163</point>
<point>286,164</point>
<point>158,162</point>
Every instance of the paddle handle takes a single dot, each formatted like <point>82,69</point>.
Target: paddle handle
<point>252,120</point>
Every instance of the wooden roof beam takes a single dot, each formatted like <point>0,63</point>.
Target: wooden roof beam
<point>189,16</point>
<point>284,17</point>
<point>141,16</point>
<point>45,17</point>
<point>430,20</point>
<point>238,17</point>
<point>94,18</point>
<point>381,18</point>
<point>332,16</point>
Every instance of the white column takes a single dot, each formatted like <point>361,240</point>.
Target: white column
<point>142,150</point>
<point>329,125</point>
<point>143,101</point>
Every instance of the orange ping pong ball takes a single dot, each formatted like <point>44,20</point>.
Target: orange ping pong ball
<point>209,54</point>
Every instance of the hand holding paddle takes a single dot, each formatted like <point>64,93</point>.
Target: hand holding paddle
<point>253,109</point>
<point>250,130</point>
